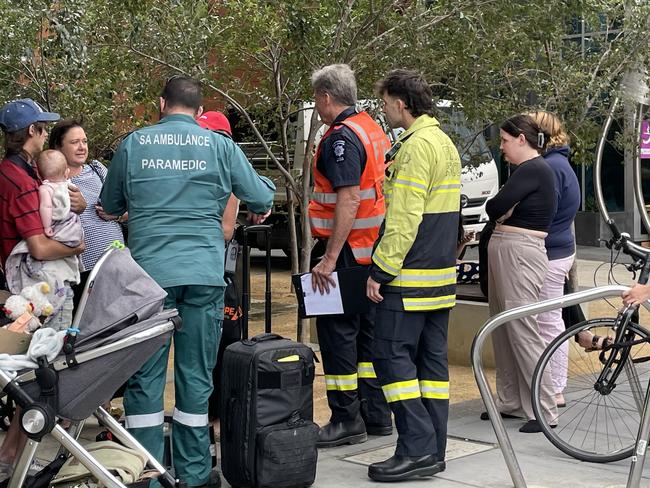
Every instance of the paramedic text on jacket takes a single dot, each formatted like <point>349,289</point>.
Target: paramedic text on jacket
<point>413,279</point>
<point>175,178</point>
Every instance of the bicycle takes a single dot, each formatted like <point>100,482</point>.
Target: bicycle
<point>604,389</point>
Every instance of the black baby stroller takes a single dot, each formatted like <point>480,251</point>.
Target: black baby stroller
<point>120,323</point>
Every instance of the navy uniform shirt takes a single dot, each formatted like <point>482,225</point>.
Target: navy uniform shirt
<point>342,158</point>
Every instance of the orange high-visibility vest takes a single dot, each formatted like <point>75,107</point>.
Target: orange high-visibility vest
<point>371,210</point>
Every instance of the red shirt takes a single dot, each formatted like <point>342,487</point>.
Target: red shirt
<point>19,215</point>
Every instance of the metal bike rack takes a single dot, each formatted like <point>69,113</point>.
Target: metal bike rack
<point>497,423</point>
<point>633,90</point>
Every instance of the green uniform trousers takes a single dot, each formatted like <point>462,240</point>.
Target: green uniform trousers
<point>195,355</point>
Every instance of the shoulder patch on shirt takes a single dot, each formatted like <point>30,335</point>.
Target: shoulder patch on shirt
<point>339,150</point>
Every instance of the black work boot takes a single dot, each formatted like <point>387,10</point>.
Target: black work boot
<point>372,428</point>
<point>339,433</point>
<point>399,468</point>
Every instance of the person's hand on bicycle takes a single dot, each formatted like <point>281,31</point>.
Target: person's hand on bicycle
<point>637,294</point>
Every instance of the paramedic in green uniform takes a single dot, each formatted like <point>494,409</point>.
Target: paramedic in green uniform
<point>174,178</point>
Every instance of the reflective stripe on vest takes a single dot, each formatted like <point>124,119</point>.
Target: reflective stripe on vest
<point>190,419</point>
<point>369,194</point>
<point>425,277</point>
<point>362,253</point>
<point>402,390</point>
<point>341,382</point>
<point>415,184</point>
<point>429,303</point>
<point>366,370</point>
<point>142,421</point>
<point>378,149</point>
<point>381,262</point>
<point>447,186</point>
<point>368,223</point>
<point>370,214</point>
<point>437,390</point>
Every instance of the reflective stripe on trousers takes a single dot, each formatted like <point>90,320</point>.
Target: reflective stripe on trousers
<point>144,420</point>
<point>190,419</point>
<point>401,390</point>
<point>341,382</point>
<point>437,390</point>
<point>366,370</point>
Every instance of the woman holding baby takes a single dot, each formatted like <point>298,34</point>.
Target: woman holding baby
<point>101,229</point>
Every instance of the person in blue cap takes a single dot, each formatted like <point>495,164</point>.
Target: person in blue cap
<point>175,178</point>
<point>24,125</point>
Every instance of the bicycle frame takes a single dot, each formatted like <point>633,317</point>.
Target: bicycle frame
<point>488,398</point>
<point>606,381</point>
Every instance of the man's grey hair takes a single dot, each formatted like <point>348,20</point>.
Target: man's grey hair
<point>338,80</point>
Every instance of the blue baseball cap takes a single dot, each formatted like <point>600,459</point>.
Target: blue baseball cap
<point>22,113</point>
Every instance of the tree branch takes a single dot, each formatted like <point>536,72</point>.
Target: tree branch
<point>290,181</point>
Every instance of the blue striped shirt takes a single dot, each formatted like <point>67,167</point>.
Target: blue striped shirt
<point>98,233</point>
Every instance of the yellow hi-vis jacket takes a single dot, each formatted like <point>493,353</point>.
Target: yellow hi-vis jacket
<point>415,255</point>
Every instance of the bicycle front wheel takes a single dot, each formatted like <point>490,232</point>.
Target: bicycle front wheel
<point>594,426</point>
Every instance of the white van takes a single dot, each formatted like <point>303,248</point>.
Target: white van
<point>479,176</point>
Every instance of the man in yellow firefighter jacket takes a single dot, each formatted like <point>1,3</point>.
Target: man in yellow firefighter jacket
<point>346,210</point>
<point>413,278</point>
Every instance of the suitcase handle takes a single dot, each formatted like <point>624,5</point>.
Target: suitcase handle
<point>263,338</point>
<point>246,285</point>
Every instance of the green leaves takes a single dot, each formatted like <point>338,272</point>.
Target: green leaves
<point>107,60</point>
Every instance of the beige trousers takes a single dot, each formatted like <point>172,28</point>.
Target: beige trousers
<point>517,266</point>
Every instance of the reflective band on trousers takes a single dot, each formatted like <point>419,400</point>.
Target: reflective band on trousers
<point>368,223</point>
<point>438,390</point>
<point>341,382</point>
<point>145,420</point>
<point>402,390</point>
<point>432,303</point>
<point>366,370</point>
<point>190,419</point>
<point>369,194</point>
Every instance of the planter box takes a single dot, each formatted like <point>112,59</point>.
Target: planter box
<point>588,228</point>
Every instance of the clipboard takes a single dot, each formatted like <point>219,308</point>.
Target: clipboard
<point>351,285</point>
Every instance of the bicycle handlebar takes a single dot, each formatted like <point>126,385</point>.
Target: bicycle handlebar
<point>622,241</point>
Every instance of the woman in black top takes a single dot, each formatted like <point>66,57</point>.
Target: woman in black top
<point>517,265</point>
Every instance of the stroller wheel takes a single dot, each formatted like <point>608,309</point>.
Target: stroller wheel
<point>7,411</point>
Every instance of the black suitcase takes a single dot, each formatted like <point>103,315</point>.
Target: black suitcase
<point>268,438</point>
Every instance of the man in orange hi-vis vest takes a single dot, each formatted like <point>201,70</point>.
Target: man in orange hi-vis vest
<point>346,210</point>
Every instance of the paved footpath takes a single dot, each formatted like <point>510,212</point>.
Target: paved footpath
<point>473,458</point>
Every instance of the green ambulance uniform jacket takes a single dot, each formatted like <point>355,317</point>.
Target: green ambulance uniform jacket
<point>415,255</point>
<point>175,178</point>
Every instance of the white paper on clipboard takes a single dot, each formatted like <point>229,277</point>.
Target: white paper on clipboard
<point>325,304</point>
